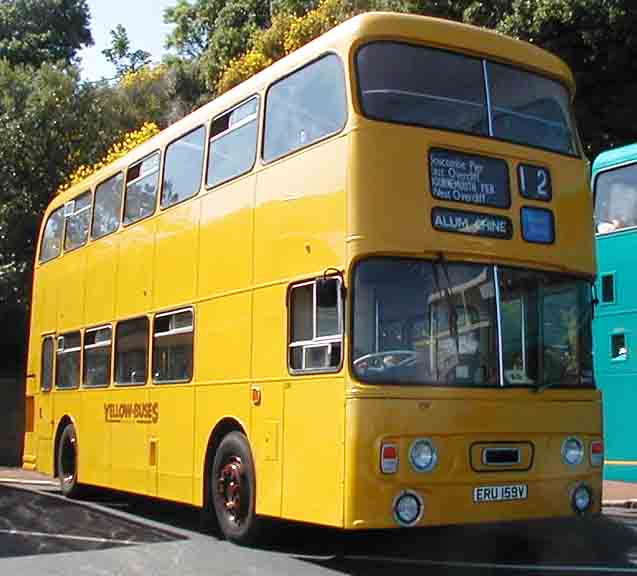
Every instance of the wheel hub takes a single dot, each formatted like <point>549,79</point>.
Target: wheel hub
<point>230,489</point>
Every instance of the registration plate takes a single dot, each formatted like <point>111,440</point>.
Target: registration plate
<point>500,493</point>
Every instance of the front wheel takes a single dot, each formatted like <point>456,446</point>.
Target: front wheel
<point>233,489</point>
<point>67,462</point>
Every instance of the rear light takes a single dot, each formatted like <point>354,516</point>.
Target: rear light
<point>597,453</point>
<point>388,458</point>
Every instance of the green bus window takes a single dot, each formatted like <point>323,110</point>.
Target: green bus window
<point>410,84</point>
<point>67,373</point>
<point>315,326</point>
<point>616,199</point>
<point>97,357</point>
<point>306,106</point>
<point>131,352</point>
<point>108,205</point>
<point>233,143</point>
<point>78,218</point>
<point>52,237</point>
<point>46,375</point>
<point>142,180</point>
<point>530,109</point>
<point>183,166</point>
<point>172,347</point>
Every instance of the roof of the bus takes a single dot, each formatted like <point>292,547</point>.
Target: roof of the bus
<point>615,157</point>
<point>373,25</point>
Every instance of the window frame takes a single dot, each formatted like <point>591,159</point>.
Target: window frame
<point>95,346</point>
<point>162,181</point>
<point>240,124</point>
<point>316,341</point>
<point>59,352</point>
<point>613,277</point>
<point>358,100</point>
<point>159,171</point>
<point>121,205</point>
<point>114,378</point>
<point>347,91</point>
<point>42,260</point>
<point>190,330</point>
<point>47,338</point>
<point>66,250</point>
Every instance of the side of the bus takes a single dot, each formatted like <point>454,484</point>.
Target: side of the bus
<point>190,309</point>
<point>615,322</point>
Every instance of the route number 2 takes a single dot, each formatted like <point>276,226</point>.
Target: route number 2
<point>534,182</point>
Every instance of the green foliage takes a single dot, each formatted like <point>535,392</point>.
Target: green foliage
<point>120,54</point>
<point>37,31</point>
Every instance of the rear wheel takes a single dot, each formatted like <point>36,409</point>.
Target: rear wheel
<point>67,462</point>
<point>233,489</point>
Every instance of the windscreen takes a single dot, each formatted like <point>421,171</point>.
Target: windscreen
<point>429,87</point>
<point>616,199</point>
<point>436,323</point>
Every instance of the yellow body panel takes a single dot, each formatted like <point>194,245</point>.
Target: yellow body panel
<point>231,253</point>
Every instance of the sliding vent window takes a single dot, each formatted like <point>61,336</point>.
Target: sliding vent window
<point>316,326</point>
<point>233,143</point>
<point>306,106</point>
<point>52,237</point>
<point>410,84</point>
<point>108,205</point>
<point>131,352</point>
<point>97,357</point>
<point>46,372</point>
<point>78,220</point>
<point>172,347</point>
<point>142,181</point>
<point>530,109</point>
<point>183,167</point>
<point>68,360</point>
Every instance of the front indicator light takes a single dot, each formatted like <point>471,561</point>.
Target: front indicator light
<point>581,499</point>
<point>597,453</point>
<point>572,451</point>
<point>422,455</point>
<point>408,508</point>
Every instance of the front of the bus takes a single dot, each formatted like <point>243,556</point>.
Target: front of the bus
<point>470,250</point>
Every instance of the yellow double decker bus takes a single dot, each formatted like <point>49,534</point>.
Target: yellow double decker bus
<point>352,291</point>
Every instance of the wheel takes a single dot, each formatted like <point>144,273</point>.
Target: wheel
<point>233,489</point>
<point>67,462</point>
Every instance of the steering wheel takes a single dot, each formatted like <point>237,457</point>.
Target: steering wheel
<point>409,356</point>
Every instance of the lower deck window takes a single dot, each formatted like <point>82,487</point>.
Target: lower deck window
<point>316,326</point>
<point>67,374</point>
<point>97,357</point>
<point>131,352</point>
<point>172,347</point>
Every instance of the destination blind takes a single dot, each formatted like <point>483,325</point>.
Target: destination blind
<point>469,178</point>
<point>472,223</point>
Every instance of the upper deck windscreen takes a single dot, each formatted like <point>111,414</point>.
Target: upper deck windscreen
<point>422,86</point>
<point>616,199</point>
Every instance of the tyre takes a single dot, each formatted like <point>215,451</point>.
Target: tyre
<point>67,462</point>
<point>233,489</point>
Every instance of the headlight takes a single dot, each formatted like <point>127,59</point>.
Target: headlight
<point>582,499</point>
<point>408,508</point>
<point>422,455</point>
<point>572,451</point>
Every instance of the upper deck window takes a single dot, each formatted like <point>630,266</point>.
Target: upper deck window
<point>183,166</point>
<point>78,219</point>
<point>417,85</point>
<point>233,143</point>
<point>304,107</point>
<point>422,86</point>
<point>52,237</point>
<point>141,189</point>
<point>616,199</point>
<point>108,205</point>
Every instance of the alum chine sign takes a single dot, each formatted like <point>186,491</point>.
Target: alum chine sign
<point>471,223</point>
<point>467,178</point>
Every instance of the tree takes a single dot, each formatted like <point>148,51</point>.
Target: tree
<point>37,31</point>
<point>120,54</point>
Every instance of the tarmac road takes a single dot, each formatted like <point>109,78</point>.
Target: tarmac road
<point>42,533</point>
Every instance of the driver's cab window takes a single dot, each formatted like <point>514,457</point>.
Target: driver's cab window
<point>316,326</point>
<point>616,199</point>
